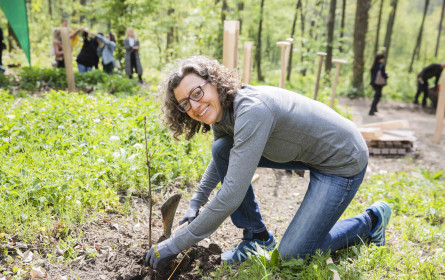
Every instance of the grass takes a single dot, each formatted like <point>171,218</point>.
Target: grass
<point>415,247</point>
<point>63,155</point>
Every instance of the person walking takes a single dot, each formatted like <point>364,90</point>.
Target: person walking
<point>432,70</point>
<point>132,60</point>
<point>87,57</point>
<point>263,126</point>
<point>105,50</point>
<point>378,81</point>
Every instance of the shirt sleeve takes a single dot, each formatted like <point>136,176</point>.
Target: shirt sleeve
<point>253,126</point>
<point>208,183</point>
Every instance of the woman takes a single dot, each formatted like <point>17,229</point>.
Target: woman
<point>105,50</point>
<point>132,61</point>
<point>265,126</point>
<point>87,58</point>
<point>58,48</point>
<point>377,73</point>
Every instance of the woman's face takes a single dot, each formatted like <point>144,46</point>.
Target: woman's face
<point>207,110</point>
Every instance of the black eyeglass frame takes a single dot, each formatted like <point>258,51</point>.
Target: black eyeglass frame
<point>180,108</point>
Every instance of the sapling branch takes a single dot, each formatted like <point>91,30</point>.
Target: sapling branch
<point>149,182</point>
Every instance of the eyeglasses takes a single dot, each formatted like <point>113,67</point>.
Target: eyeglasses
<point>195,94</point>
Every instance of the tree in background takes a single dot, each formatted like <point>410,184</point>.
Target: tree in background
<point>260,77</point>
<point>377,35</point>
<point>419,38</point>
<point>360,29</point>
<point>440,29</point>
<point>389,27</point>
<point>292,34</point>
<point>330,41</point>
<point>342,26</point>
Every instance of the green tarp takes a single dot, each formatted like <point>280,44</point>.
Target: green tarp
<point>15,11</point>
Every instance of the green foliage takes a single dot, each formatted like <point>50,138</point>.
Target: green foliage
<point>63,154</point>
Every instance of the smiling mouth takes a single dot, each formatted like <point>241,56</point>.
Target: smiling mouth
<point>203,112</point>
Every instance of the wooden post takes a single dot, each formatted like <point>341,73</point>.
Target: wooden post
<point>338,63</point>
<point>65,34</point>
<point>230,44</point>
<point>247,63</point>
<point>284,45</point>
<point>440,111</point>
<point>320,63</point>
<point>291,41</point>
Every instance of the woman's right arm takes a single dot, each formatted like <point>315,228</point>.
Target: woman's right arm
<point>208,183</point>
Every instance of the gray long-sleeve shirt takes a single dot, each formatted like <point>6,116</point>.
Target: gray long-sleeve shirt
<point>282,126</point>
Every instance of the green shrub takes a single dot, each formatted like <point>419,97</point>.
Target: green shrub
<point>5,83</point>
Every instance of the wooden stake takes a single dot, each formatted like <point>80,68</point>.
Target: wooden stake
<point>247,63</point>
<point>149,183</point>
<point>284,45</point>
<point>440,111</point>
<point>320,63</point>
<point>65,34</point>
<point>291,41</point>
<point>230,43</point>
<point>338,63</point>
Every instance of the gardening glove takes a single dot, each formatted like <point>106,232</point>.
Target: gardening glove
<point>189,216</point>
<point>161,254</point>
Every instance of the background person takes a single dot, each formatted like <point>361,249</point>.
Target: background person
<point>262,126</point>
<point>58,48</point>
<point>87,58</point>
<point>378,65</point>
<point>132,61</point>
<point>432,70</point>
<point>105,50</point>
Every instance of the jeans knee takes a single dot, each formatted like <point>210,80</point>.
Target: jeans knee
<point>221,148</point>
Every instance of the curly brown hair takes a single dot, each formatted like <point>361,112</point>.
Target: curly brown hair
<point>226,81</point>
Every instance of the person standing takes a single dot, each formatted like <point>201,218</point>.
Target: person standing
<point>264,126</point>
<point>378,80</point>
<point>58,48</point>
<point>132,60</point>
<point>432,70</point>
<point>2,46</point>
<point>87,58</point>
<point>105,50</point>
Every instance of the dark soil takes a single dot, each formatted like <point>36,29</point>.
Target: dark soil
<point>121,240</point>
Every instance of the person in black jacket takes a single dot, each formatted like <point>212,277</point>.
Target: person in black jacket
<point>1,46</point>
<point>87,58</point>
<point>376,82</point>
<point>432,70</point>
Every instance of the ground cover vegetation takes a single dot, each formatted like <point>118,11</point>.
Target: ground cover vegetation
<point>66,156</point>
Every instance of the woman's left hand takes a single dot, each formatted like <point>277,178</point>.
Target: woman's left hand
<point>161,254</point>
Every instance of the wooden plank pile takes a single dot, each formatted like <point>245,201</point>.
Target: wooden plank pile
<point>390,138</point>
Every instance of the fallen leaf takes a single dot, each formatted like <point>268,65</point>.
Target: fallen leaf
<point>38,272</point>
<point>115,226</point>
<point>27,256</point>
<point>21,245</point>
<point>78,259</point>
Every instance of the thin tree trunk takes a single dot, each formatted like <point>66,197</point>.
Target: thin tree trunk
<point>50,8</point>
<point>289,64</point>
<point>302,26</point>
<point>377,35</point>
<point>331,23</point>
<point>360,30</point>
<point>240,18</point>
<point>220,38</point>
<point>82,14</point>
<point>260,77</point>
<point>170,37</point>
<point>389,27</point>
<point>342,25</point>
<point>419,38</point>
<point>440,29</point>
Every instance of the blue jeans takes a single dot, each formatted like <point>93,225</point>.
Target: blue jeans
<point>315,225</point>
<point>83,69</point>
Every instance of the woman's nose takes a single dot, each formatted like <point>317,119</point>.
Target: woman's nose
<point>194,104</point>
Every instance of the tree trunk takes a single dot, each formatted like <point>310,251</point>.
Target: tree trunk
<point>419,38</point>
<point>302,25</point>
<point>342,25</point>
<point>440,29</point>
<point>13,42</point>
<point>389,27</point>
<point>318,10</point>
<point>289,64</point>
<point>260,77</point>
<point>170,37</point>
<point>82,14</point>
<point>220,38</point>
<point>240,6</point>
<point>377,35</point>
<point>331,23</point>
<point>50,8</point>
<point>360,30</point>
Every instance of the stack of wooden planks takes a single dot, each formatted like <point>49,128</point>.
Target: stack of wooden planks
<point>392,138</point>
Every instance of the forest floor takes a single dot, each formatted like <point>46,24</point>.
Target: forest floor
<point>121,240</point>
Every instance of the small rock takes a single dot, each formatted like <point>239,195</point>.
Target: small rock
<point>21,245</point>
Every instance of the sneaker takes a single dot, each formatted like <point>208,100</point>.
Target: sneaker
<point>382,210</point>
<point>248,245</point>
